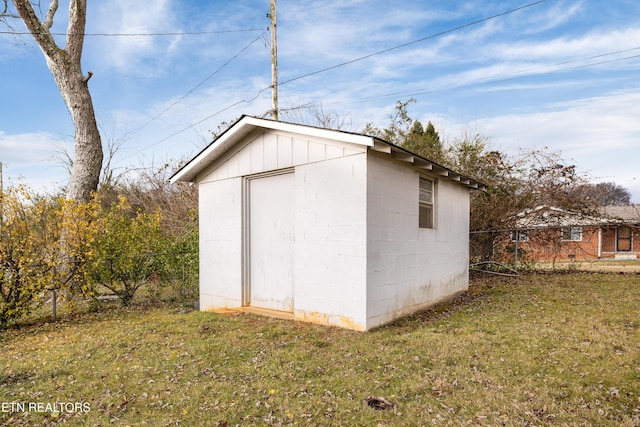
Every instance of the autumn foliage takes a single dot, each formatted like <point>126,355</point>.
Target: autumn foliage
<point>28,247</point>
<point>78,251</point>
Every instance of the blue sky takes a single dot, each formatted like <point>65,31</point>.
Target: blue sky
<point>558,74</point>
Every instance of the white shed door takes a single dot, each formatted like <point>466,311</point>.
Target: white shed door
<point>271,241</point>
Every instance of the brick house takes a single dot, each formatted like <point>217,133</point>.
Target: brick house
<point>547,234</point>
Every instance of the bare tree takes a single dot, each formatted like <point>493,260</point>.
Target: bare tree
<point>64,64</point>
<point>313,114</point>
<point>607,193</point>
<point>399,126</point>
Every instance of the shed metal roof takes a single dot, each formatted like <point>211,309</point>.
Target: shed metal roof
<point>248,124</point>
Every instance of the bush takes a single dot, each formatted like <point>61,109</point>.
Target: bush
<point>51,244</point>
<point>125,250</point>
<point>182,261</point>
<point>28,250</point>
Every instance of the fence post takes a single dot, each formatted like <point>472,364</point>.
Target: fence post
<point>515,258</point>
<point>184,279</point>
<point>54,297</point>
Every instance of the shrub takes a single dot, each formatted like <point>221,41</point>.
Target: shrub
<point>124,250</point>
<point>28,250</point>
<point>182,261</point>
<point>52,245</point>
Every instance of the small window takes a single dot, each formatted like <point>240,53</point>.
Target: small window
<point>519,236</point>
<point>572,233</point>
<point>426,200</point>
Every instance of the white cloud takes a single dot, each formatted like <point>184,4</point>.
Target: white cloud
<point>497,61</point>
<point>331,32</point>
<point>590,44</point>
<point>186,127</point>
<point>601,135</point>
<point>588,125</point>
<point>30,158</point>
<point>558,14</point>
<point>27,148</point>
<point>128,53</point>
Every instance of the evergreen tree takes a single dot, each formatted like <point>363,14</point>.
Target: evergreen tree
<point>425,142</point>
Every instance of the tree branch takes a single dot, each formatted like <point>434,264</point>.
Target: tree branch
<point>5,12</point>
<point>40,32</point>
<point>53,7</point>
<point>75,31</point>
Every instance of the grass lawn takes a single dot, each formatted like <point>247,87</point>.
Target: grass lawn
<point>535,350</point>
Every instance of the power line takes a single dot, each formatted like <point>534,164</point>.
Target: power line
<point>514,75</point>
<point>374,98</point>
<point>189,93</point>
<point>580,60</point>
<point>344,64</point>
<point>198,85</point>
<point>178,132</point>
<point>333,67</point>
<point>420,92</point>
<point>177,33</point>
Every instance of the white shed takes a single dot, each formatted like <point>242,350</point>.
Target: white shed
<point>326,226</point>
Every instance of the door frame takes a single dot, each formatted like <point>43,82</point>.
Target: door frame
<point>246,230</point>
<point>630,239</point>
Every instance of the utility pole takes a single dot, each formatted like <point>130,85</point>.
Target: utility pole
<point>274,60</point>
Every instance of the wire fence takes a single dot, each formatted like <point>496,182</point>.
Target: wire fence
<point>503,252</point>
<point>175,279</point>
<point>592,248</point>
<point>177,272</point>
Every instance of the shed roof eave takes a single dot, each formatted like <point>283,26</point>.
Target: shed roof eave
<point>399,153</point>
<point>248,124</point>
<point>318,132</point>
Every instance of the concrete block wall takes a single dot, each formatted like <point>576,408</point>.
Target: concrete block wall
<point>329,268</point>
<point>410,268</point>
<point>446,248</point>
<point>330,254</point>
<point>220,213</point>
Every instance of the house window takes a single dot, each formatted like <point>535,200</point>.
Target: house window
<point>519,236</point>
<point>572,234</point>
<point>426,202</point>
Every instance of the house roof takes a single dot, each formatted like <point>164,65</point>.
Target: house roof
<point>623,213</point>
<point>549,216</point>
<point>248,125</point>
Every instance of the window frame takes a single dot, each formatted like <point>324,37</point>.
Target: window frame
<point>523,235</point>
<point>571,232</point>
<point>427,204</point>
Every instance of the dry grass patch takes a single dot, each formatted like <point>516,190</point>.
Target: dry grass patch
<point>537,350</point>
<point>605,265</point>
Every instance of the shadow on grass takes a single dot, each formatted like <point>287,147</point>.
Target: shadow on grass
<point>16,377</point>
<point>480,288</point>
<point>84,312</point>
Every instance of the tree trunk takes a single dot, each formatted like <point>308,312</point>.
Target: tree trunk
<point>87,163</point>
<point>67,73</point>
